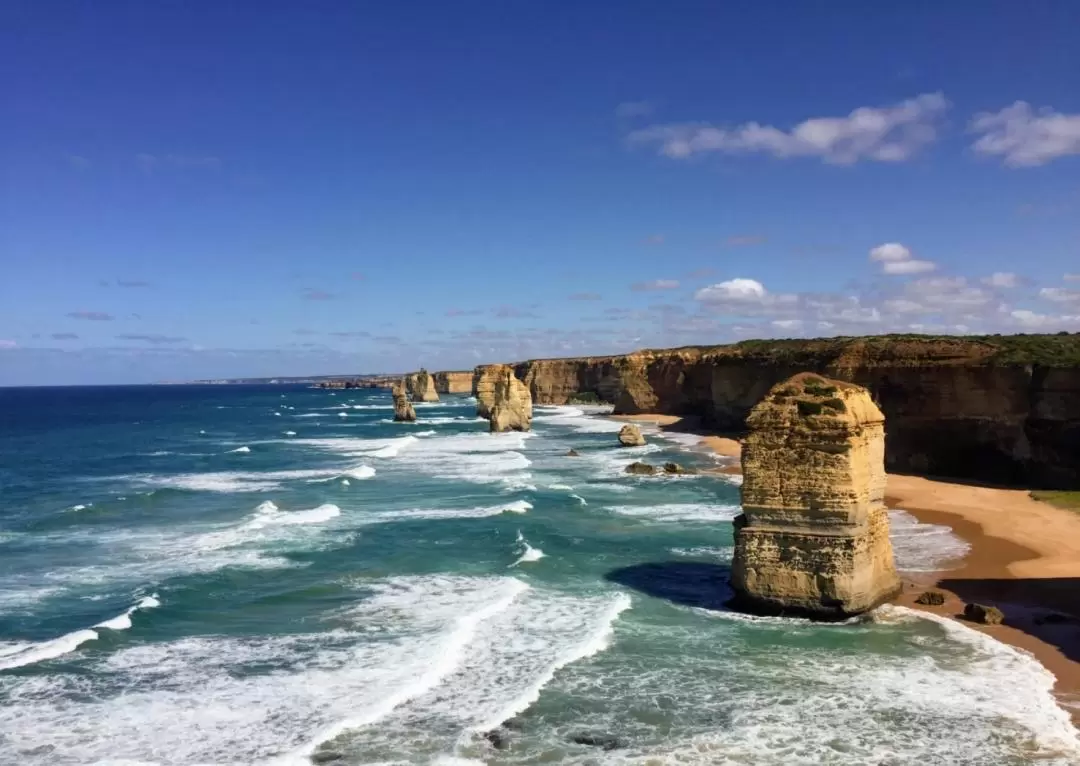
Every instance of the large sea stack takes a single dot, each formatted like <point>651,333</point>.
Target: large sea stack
<point>403,409</point>
<point>813,539</point>
<point>505,401</point>
<point>424,387</point>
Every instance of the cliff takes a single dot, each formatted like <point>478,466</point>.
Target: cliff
<point>1003,409</point>
<point>813,538</point>
<point>453,382</point>
<point>423,387</point>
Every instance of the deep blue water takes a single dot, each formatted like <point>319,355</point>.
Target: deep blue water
<point>247,575</point>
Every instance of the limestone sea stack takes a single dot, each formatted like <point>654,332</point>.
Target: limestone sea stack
<point>483,388</point>
<point>813,538</point>
<point>630,436</point>
<point>403,409</point>
<point>511,403</point>
<point>424,387</point>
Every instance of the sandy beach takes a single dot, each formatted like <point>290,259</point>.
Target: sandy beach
<point>1024,559</point>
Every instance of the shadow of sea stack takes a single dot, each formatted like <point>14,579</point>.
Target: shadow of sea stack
<point>813,539</point>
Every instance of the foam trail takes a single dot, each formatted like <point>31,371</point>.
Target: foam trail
<point>594,643</point>
<point>290,433</point>
<point>529,554</point>
<point>360,472</point>
<point>448,658</point>
<point>20,655</point>
<point>267,514</point>
<point>579,498</point>
<point>245,449</point>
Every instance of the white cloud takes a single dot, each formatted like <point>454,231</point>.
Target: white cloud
<point>738,290</point>
<point>1060,294</point>
<point>1025,139</point>
<point>882,134</point>
<point>1002,279</point>
<point>1031,320</point>
<point>629,109</point>
<point>656,284</point>
<point>903,306</point>
<point>788,324</point>
<point>908,267</point>
<point>896,259</point>
<point>8,344</point>
<point>1071,277</point>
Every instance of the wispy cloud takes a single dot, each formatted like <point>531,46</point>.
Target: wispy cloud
<point>358,276</point>
<point>513,312</point>
<point>656,284</point>
<point>351,334</point>
<point>896,260</point>
<point>93,316</point>
<point>154,339</point>
<point>131,283</point>
<point>1004,279</point>
<point>628,109</point>
<point>653,239</point>
<point>744,240</point>
<point>64,336</point>
<point>463,313</point>
<point>150,163</point>
<point>705,271</point>
<point>313,294</point>
<point>8,344</point>
<point>881,134</point>
<point>1023,138</point>
<point>78,162</point>
<point>304,331</point>
<point>586,297</point>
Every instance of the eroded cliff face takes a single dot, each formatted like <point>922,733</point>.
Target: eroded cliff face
<point>403,409</point>
<point>423,387</point>
<point>453,382</point>
<point>813,538</point>
<point>954,409</point>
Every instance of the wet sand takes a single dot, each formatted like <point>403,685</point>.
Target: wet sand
<point>1024,559</point>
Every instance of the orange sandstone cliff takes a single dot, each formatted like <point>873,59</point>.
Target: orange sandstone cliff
<point>1002,409</point>
<point>453,382</point>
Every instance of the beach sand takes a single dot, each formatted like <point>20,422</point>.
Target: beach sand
<point>1024,559</point>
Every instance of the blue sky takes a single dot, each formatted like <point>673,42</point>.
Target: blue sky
<point>196,190</point>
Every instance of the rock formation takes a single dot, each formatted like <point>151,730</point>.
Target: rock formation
<point>630,436</point>
<point>511,406</point>
<point>423,387</point>
<point>403,409</point>
<point>453,382</point>
<point>813,538</point>
<point>641,469</point>
<point>1004,409</point>
<point>483,387</point>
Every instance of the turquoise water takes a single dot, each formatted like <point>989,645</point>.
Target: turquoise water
<point>249,575</point>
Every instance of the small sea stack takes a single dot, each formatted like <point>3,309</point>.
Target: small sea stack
<point>630,436</point>
<point>423,387</point>
<point>403,409</point>
<point>813,538</point>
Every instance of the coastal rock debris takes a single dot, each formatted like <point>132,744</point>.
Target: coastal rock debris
<point>985,615</point>
<point>813,538</point>
<point>630,436</point>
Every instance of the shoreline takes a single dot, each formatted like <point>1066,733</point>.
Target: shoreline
<point>1024,558</point>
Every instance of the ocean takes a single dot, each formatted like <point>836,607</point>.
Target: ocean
<point>277,574</point>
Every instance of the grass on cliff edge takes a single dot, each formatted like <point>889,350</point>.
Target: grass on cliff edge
<point>1057,350</point>
<point>1067,499</point>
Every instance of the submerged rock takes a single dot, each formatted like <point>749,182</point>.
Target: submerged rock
<point>403,409</point>
<point>511,408</point>
<point>603,742</point>
<point>573,453</point>
<point>678,470</point>
<point>986,615</point>
<point>931,598</point>
<point>630,436</point>
<point>813,538</point>
<point>423,387</point>
<point>497,739</point>
<point>641,469</point>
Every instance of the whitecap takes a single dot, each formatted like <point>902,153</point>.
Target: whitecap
<point>922,547</point>
<point>242,450</point>
<point>360,472</point>
<point>528,554</point>
<point>290,433</point>
<point>679,512</point>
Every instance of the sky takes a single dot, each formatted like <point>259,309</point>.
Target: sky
<point>195,190</point>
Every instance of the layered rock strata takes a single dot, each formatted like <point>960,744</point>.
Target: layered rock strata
<point>999,409</point>
<point>506,402</point>
<point>423,387</point>
<point>813,538</point>
<point>453,382</point>
<point>403,409</point>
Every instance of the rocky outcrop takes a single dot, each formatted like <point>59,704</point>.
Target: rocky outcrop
<point>511,405</point>
<point>986,615</point>
<point>630,436</point>
<point>1000,409</point>
<point>453,382</point>
<point>483,387</point>
<point>403,409</point>
<point>423,387</point>
<point>813,538</point>
<point>641,469</point>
